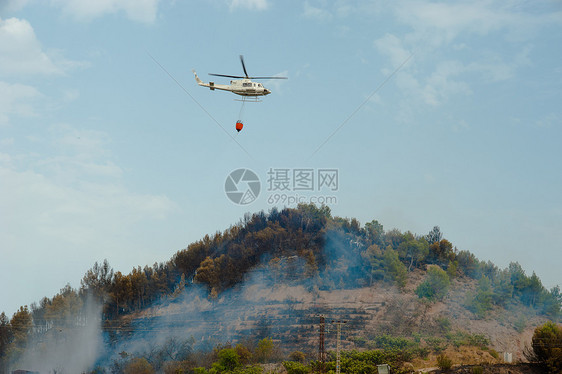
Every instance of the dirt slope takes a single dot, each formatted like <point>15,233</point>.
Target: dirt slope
<point>290,315</point>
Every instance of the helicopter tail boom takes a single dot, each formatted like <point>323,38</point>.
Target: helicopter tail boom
<point>211,85</point>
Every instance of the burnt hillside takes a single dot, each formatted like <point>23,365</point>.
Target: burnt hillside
<point>310,247</point>
<point>273,274</point>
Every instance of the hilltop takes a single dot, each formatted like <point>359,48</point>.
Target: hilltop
<point>273,274</point>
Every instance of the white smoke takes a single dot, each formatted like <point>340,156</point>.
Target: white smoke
<point>66,347</point>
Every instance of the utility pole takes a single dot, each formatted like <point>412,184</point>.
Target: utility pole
<point>338,344</point>
<point>321,351</point>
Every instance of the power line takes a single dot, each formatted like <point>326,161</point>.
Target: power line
<point>196,102</point>
<point>360,106</point>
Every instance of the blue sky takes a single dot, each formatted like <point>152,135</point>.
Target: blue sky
<point>103,155</point>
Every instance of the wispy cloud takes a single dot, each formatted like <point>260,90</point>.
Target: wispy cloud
<point>69,208</point>
<point>16,99</point>
<point>136,10</point>
<point>249,4</point>
<point>393,47</point>
<point>455,45</point>
<point>316,12</point>
<point>76,196</point>
<point>12,5</point>
<point>442,22</point>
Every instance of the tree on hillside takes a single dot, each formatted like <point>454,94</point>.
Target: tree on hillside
<point>138,366</point>
<point>394,269</point>
<point>121,292</point>
<point>20,326</point>
<point>412,250</point>
<point>64,307</point>
<point>393,238</point>
<point>481,302</point>
<point>38,311</point>
<point>440,253</point>
<point>502,287</point>
<point>547,347</point>
<point>97,280</point>
<point>374,257</point>
<point>531,294</point>
<point>139,284</point>
<point>6,337</point>
<point>469,265</point>
<point>519,279</point>
<point>434,235</point>
<point>435,285</point>
<point>209,272</point>
<point>188,260</point>
<point>552,303</point>
<point>228,360</point>
<point>375,232</point>
<point>265,350</point>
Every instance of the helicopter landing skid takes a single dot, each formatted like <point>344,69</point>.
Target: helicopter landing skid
<point>256,100</point>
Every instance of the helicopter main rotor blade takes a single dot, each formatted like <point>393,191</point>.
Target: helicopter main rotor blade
<point>244,66</point>
<point>268,78</point>
<point>239,76</point>
<point>228,76</point>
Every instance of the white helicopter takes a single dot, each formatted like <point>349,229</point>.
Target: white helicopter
<point>243,87</point>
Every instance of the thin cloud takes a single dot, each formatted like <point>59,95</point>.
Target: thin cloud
<point>437,23</point>
<point>249,4</point>
<point>393,47</point>
<point>74,200</point>
<point>137,10</point>
<point>12,5</point>
<point>16,99</point>
<point>317,13</point>
<point>449,41</point>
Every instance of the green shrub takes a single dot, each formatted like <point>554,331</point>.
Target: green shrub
<point>396,270</point>
<point>444,363</point>
<point>547,343</point>
<point>435,286</point>
<point>264,350</point>
<point>296,367</point>
<point>297,356</point>
<point>457,338</point>
<point>248,370</point>
<point>359,341</point>
<point>436,344</point>
<point>391,342</point>
<point>444,324</point>
<point>478,340</point>
<point>481,301</point>
<point>477,370</point>
<point>138,366</point>
<point>422,352</point>
<point>228,360</point>
<point>520,324</point>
